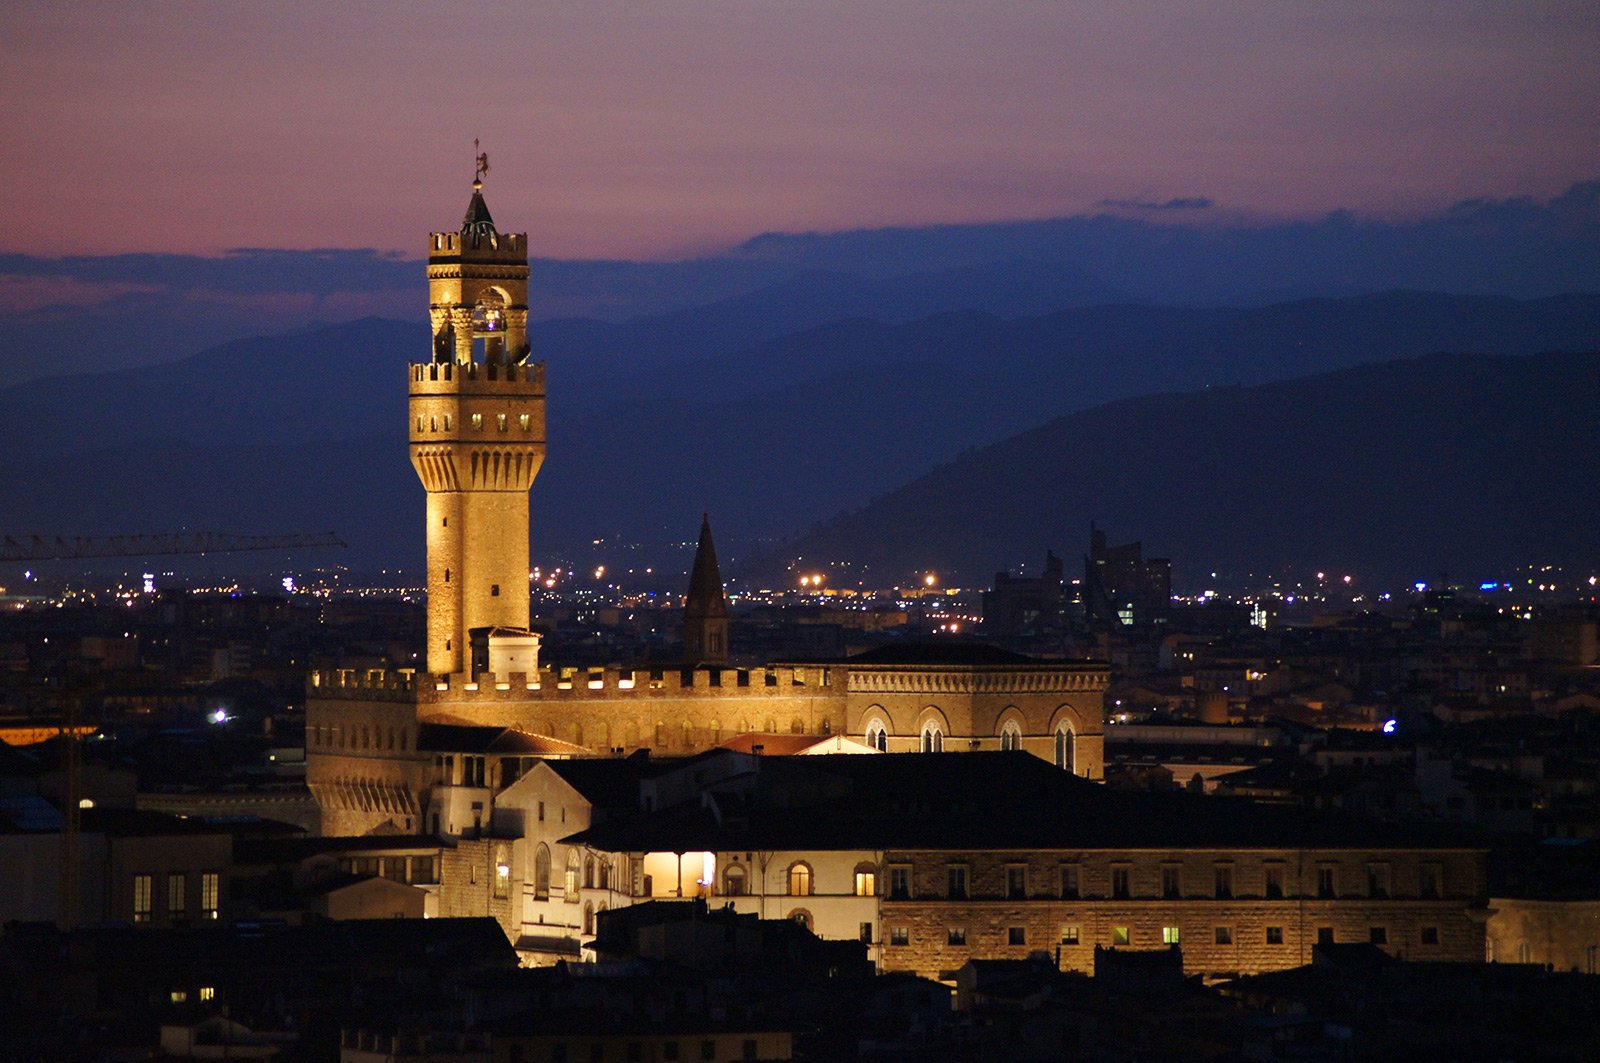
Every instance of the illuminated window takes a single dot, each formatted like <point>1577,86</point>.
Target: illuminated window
<point>573,870</point>
<point>500,422</point>
<point>1119,935</point>
<point>208,992</point>
<point>866,880</point>
<point>1169,935</point>
<point>799,880</point>
<point>208,895</point>
<point>1069,935</point>
<point>177,895</point>
<point>447,422</point>
<point>541,872</point>
<point>1274,935</point>
<point>141,898</point>
<point>477,422</point>
<point>502,876</point>
<point>524,421</point>
<point>178,996</point>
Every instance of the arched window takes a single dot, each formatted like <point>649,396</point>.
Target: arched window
<point>588,873</point>
<point>1065,754</point>
<point>801,916</point>
<point>878,736</point>
<point>733,881</point>
<point>1010,736</point>
<point>588,918</point>
<point>605,874</point>
<point>932,738</point>
<point>799,879</point>
<point>541,873</point>
<point>572,876</point>
<point>866,879</point>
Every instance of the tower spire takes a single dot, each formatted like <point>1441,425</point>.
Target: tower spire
<point>705,608</point>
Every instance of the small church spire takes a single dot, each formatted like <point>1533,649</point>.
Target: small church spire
<point>705,609</point>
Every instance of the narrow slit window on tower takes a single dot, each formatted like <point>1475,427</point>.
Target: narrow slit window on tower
<point>524,421</point>
<point>447,575</point>
<point>477,422</point>
<point>494,590</point>
<point>447,422</point>
<point>500,422</point>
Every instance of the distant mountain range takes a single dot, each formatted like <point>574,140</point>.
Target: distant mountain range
<point>1462,463</point>
<point>761,409</point>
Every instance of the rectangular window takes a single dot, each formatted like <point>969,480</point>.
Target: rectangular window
<point>866,933</point>
<point>1224,881</point>
<point>1169,883</point>
<point>141,898</point>
<point>1119,883</point>
<point>208,895</point>
<point>500,422</point>
<point>1017,881</point>
<point>1274,886</point>
<point>1324,935</point>
<point>422,870</point>
<point>1430,881</point>
<point>956,882</point>
<point>1119,935</point>
<point>1016,935</point>
<point>1377,880</point>
<point>955,935</point>
<point>1069,882</point>
<point>899,935</point>
<point>708,1050</point>
<point>177,895</point>
<point>1069,935</point>
<point>524,421</point>
<point>502,882</point>
<point>1378,935</point>
<point>394,868</point>
<point>1274,935</point>
<point>1325,887</point>
<point>1430,935</point>
<point>866,883</point>
<point>899,883</point>
<point>1169,935</point>
<point>208,992</point>
<point>1223,935</point>
<point>494,590</point>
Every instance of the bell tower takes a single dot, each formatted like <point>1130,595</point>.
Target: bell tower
<point>477,434</point>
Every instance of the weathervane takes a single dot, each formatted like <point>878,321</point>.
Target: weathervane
<point>483,163</point>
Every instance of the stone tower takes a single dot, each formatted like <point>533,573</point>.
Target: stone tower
<point>477,435</point>
<point>705,609</point>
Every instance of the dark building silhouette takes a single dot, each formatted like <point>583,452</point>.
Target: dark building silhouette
<point>1121,585</point>
<point>1022,605</point>
<point>705,610</point>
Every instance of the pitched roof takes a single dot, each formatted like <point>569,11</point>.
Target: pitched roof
<point>444,736</point>
<point>705,580</point>
<point>983,801</point>
<point>477,221</point>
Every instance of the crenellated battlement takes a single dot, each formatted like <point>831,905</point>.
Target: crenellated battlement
<point>510,246</point>
<point>567,684</point>
<point>482,378</point>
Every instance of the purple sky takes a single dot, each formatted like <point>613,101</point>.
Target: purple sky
<point>663,128</point>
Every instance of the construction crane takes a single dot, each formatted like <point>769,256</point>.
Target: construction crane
<point>55,548</point>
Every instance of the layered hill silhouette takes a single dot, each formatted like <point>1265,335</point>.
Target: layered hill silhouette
<point>650,428</point>
<point>1462,463</point>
